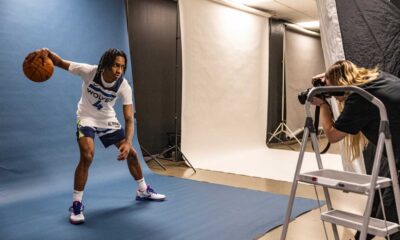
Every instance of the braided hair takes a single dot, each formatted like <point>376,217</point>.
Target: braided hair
<point>108,58</point>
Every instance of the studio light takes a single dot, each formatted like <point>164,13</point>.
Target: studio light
<point>309,25</point>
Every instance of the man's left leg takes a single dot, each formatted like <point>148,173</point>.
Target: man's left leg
<point>144,191</point>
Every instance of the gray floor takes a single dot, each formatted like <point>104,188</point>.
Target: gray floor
<point>305,227</point>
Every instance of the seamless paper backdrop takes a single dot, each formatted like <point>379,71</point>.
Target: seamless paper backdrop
<point>224,96</point>
<point>38,120</point>
<point>224,100</point>
<point>303,59</point>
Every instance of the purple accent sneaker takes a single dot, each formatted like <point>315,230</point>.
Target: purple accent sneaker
<point>149,195</point>
<point>76,216</point>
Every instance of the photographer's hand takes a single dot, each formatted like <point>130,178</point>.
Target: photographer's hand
<point>316,77</point>
<point>327,122</point>
<point>318,101</point>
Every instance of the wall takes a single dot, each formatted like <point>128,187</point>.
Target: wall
<point>275,75</point>
<point>303,59</point>
<point>152,26</point>
<point>37,120</point>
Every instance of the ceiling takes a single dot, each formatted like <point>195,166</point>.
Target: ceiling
<point>294,11</point>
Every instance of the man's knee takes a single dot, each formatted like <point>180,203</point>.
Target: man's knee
<point>87,157</point>
<point>86,147</point>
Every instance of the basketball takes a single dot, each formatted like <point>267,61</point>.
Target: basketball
<point>38,68</point>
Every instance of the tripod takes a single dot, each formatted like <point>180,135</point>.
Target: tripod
<point>282,127</point>
<point>151,157</point>
<point>176,147</point>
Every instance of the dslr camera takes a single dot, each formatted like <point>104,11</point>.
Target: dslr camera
<point>302,96</point>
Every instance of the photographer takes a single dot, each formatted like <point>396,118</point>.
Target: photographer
<point>360,116</point>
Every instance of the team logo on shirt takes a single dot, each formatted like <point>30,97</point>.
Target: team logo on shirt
<point>113,124</point>
<point>98,93</point>
<point>95,91</point>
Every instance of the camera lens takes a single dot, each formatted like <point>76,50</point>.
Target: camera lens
<point>319,83</point>
<point>302,96</point>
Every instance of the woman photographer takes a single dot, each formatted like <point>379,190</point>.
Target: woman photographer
<point>360,118</point>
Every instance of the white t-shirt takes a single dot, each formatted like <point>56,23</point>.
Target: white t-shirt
<point>96,106</point>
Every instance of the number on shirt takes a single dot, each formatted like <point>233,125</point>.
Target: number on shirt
<point>98,105</point>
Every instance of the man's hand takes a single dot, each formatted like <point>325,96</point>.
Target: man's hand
<point>124,149</point>
<point>40,53</point>
<point>47,53</point>
<point>43,52</point>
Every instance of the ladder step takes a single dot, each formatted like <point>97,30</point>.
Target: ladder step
<point>376,227</point>
<point>346,181</point>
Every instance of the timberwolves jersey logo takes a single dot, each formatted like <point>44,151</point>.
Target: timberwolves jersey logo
<point>101,94</point>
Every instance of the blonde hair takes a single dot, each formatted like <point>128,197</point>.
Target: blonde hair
<point>344,73</point>
<point>353,143</point>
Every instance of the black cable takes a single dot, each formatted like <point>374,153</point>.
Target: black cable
<point>316,123</point>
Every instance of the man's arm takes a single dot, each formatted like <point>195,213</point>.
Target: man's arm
<point>128,116</point>
<point>57,60</point>
<point>126,145</point>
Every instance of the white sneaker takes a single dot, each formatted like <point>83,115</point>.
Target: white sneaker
<point>76,210</point>
<point>149,195</point>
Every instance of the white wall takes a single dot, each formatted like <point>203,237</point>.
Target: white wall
<point>224,92</point>
<point>303,59</point>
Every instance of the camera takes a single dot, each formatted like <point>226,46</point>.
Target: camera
<point>302,96</point>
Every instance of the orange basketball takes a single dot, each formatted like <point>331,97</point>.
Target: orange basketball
<point>38,68</point>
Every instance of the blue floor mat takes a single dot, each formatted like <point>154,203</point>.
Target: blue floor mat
<point>193,210</point>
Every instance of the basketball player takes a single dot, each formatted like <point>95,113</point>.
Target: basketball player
<point>102,85</point>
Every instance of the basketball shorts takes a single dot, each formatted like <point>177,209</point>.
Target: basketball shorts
<point>107,136</point>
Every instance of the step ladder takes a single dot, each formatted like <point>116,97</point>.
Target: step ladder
<point>347,181</point>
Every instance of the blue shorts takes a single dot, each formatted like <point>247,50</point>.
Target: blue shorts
<point>107,136</point>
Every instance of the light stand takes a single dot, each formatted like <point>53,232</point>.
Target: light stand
<point>176,147</point>
<point>151,157</point>
<point>282,127</point>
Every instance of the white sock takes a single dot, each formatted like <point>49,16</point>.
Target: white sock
<point>77,196</point>
<point>142,186</point>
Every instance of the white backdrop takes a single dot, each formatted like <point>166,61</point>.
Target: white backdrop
<point>224,93</point>
<point>303,60</point>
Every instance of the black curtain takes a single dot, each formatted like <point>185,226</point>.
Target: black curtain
<point>371,33</point>
<point>277,30</point>
<point>396,3</point>
<point>154,41</point>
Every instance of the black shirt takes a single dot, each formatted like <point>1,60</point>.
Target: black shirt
<point>361,115</point>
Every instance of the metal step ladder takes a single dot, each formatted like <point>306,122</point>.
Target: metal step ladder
<point>348,181</point>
